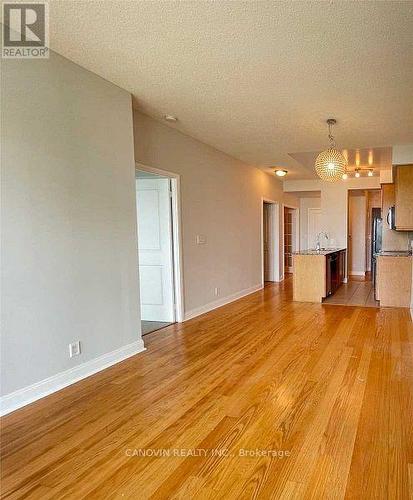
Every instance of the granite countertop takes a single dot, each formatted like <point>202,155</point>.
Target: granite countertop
<point>393,253</point>
<point>326,251</point>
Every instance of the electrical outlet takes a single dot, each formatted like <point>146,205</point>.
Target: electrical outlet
<point>216,291</point>
<point>74,349</point>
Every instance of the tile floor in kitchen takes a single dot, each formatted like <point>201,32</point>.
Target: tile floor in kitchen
<point>358,291</point>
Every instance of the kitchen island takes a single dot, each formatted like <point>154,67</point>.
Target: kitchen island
<point>317,273</point>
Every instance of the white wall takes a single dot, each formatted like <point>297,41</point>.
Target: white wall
<point>305,204</point>
<point>221,199</point>
<point>69,258</point>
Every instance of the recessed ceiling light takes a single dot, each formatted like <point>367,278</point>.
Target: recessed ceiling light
<point>345,176</point>
<point>170,118</point>
<point>281,173</point>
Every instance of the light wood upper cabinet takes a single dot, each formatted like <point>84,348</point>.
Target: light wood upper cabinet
<point>404,198</point>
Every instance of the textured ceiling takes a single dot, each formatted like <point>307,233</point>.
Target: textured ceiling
<point>254,79</point>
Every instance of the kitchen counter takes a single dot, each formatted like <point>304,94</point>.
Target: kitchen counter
<point>325,251</point>
<point>317,274</point>
<point>393,253</point>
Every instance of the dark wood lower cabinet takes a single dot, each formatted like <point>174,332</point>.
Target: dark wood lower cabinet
<point>342,265</point>
<point>335,270</point>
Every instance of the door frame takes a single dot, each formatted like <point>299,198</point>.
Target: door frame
<point>297,232</point>
<point>178,281</point>
<point>274,239</point>
<point>309,211</point>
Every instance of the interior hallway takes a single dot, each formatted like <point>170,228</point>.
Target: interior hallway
<point>328,389</point>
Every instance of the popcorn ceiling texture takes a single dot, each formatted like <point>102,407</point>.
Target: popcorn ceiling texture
<point>254,79</point>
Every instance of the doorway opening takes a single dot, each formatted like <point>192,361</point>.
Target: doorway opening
<point>363,242</point>
<point>364,231</point>
<point>158,248</point>
<point>309,219</point>
<point>270,230</point>
<point>313,226</point>
<point>291,237</point>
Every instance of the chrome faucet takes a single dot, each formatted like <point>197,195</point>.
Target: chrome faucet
<point>321,233</point>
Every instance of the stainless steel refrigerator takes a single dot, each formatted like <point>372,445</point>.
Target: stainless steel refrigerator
<point>376,241</point>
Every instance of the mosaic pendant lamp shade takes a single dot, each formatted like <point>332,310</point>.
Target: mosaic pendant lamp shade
<point>330,164</point>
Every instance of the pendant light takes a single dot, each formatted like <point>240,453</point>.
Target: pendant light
<point>330,165</point>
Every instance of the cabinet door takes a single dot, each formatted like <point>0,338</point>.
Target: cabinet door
<point>404,197</point>
<point>329,284</point>
<point>341,266</point>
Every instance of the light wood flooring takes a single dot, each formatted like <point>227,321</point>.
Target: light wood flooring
<point>269,398</point>
<point>357,292</point>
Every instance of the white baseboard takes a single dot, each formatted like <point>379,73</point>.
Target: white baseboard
<point>220,302</point>
<point>27,395</point>
<point>357,273</point>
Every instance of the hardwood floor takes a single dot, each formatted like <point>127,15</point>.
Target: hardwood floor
<point>297,400</point>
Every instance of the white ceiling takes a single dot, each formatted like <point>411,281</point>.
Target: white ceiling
<point>255,79</point>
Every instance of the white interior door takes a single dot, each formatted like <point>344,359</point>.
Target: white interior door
<point>155,249</point>
<point>314,225</point>
<point>266,242</point>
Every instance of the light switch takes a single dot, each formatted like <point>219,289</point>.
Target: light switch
<point>200,239</point>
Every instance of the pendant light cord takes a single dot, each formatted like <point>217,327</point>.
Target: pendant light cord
<point>330,136</point>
